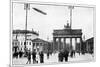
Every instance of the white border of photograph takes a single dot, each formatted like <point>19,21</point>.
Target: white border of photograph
<point>52,4</point>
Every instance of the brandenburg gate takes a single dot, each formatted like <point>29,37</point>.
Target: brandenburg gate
<point>63,34</point>
<point>67,33</point>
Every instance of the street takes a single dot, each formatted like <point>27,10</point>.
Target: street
<point>54,58</point>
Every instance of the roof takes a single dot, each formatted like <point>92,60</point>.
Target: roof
<point>39,40</point>
<point>90,39</point>
<point>68,32</point>
<point>24,31</point>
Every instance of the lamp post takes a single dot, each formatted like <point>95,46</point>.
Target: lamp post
<point>27,7</point>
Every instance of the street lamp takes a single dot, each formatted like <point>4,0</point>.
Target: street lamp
<point>27,7</point>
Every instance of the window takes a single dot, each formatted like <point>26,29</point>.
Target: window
<point>30,43</point>
<point>15,43</point>
<point>24,43</point>
<point>27,43</point>
<point>33,44</point>
<point>12,43</point>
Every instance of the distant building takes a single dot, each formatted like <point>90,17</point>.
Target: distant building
<point>90,45</point>
<point>18,39</point>
<point>15,45</point>
<point>29,44</point>
<point>40,45</point>
<point>64,34</point>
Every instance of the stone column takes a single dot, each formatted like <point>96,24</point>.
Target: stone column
<point>76,44</point>
<point>32,46</point>
<point>36,46</point>
<point>70,43</point>
<point>80,43</point>
<point>87,46</point>
<point>39,46</point>
<point>59,44</point>
<point>54,44</point>
<point>62,43</point>
<point>64,46</point>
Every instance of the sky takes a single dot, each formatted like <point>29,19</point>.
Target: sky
<point>56,18</point>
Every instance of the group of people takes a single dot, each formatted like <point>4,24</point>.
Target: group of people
<point>18,54</point>
<point>64,54</point>
<point>36,57</point>
<point>72,53</point>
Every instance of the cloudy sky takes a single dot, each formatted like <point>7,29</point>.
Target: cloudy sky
<point>56,18</point>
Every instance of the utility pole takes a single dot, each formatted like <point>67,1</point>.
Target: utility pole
<point>70,8</point>
<point>26,7</point>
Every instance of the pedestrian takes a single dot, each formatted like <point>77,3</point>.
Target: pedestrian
<point>66,54</point>
<point>72,53</point>
<point>79,52</point>
<point>41,57</point>
<point>20,54</point>
<point>34,56</point>
<point>15,54</point>
<point>47,55</point>
<point>51,53</point>
<point>37,57</point>
<point>29,57</point>
<point>61,56</point>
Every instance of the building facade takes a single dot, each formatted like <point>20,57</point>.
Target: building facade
<point>19,38</point>
<point>40,45</point>
<point>60,36</point>
<point>90,45</point>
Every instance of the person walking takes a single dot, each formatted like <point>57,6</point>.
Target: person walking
<point>41,57</point>
<point>72,53</point>
<point>20,54</point>
<point>61,56</point>
<point>34,56</point>
<point>47,55</point>
<point>29,57</point>
<point>66,54</point>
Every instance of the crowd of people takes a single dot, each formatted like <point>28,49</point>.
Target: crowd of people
<point>37,57</point>
<point>64,54</point>
<point>16,54</point>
